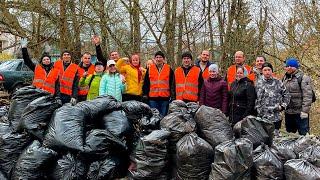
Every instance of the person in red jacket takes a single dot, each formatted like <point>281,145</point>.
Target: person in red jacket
<point>214,92</point>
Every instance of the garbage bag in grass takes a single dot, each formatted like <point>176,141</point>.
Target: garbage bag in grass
<point>11,146</point>
<point>312,154</point>
<point>194,157</point>
<point>233,159</point>
<point>66,129</point>
<point>99,106</point>
<point>117,123</point>
<point>213,125</point>
<point>301,169</point>
<point>109,168</point>
<point>135,110</point>
<point>37,115</point>
<point>69,167</point>
<point>151,155</point>
<point>251,128</point>
<point>100,141</point>
<point>34,163</point>
<point>284,149</point>
<point>177,106</point>
<point>266,164</point>
<point>303,142</point>
<point>20,99</point>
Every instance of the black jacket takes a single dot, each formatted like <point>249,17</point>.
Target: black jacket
<point>242,99</point>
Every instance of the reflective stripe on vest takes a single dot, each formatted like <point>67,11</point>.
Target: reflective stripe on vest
<point>187,85</point>
<point>66,76</point>
<point>83,90</point>
<point>159,81</point>
<point>45,81</point>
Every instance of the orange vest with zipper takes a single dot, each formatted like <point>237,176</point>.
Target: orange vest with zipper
<point>205,73</point>
<point>159,81</point>
<point>187,85</point>
<point>232,72</point>
<point>66,76</point>
<point>45,81</point>
<point>83,90</point>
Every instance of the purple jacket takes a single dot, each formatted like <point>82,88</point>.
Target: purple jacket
<point>214,93</point>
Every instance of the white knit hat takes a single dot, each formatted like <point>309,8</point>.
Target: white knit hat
<point>214,67</point>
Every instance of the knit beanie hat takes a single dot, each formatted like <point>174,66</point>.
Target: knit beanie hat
<point>292,62</point>
<point>214,67</point>
<point>186,54</point>
<point>159,53</point>
<point>266,64</point>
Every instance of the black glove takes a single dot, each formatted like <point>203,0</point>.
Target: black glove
<point>145,99</point>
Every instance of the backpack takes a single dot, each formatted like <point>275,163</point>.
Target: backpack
<point>314,98</point>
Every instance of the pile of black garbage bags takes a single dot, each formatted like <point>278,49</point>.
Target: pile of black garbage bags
<point>107,139</point>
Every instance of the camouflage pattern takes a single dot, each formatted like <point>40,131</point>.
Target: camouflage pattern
<point>272,97</point>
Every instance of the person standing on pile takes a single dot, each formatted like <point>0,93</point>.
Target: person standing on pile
<point>300,88</point>
<point>214,92</point>
<point>204,64</point>
<point>134,75</point>
<point>242,97</point>
<point>112,82</point>
<point>239,60</point>
<point>92,81</point>
<point>68,78</point>
<point>272,97</point>
<point>159,85</point>
<point>45,76</point>
<point>188,80</point>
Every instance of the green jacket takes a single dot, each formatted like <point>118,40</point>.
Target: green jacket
<point>94,85</point>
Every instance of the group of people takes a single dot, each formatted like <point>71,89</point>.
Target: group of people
<point>243,91</point>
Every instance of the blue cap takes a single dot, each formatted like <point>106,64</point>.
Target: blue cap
<point>292,62</point>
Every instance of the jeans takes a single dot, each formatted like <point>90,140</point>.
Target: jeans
<point>162,106</point>
<point>294,123</point>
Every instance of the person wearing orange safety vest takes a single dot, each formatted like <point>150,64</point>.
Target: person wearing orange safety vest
<point>188,80</point>
<point>232,70</point>
<point>68,78</point>
<point>45,76</point>
<point>159,87</point>
<point>204,64</point>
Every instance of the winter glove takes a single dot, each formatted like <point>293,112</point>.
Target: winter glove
<point>303,115</point>
<point>145,99</point>
<point>73,101</point>
<point>24,42</point>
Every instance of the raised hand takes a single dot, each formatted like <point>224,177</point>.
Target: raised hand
<point>24,42</point>
<point>95,40</point>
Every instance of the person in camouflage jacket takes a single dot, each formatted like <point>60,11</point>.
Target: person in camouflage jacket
<point>272,96</point>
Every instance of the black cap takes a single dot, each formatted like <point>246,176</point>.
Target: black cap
<point>159,53</point>
<point>266,64</point>
<point>186,54</point>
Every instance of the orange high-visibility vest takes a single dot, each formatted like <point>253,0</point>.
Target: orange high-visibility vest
<point>66,76</point>
<point>159,81</point>
<point>187,85</point>
<point>232,72</point>
<point>45,81</point>
<point>83,90</point>
<point>205,73</point>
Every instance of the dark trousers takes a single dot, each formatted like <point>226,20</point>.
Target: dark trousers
<point>162,106</point>
<point>82,98</point>
<point>130,97</point>
<point>294,123</point>
<point>65,98</point>
<point>277,125</point>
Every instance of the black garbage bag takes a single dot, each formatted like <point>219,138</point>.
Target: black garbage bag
<point>303,142</point>
<point>301,169</point>
<point>99,106</point>
<point>233,159</point>
<point>148,124</point>
<point>4,128</point>
<point>312,154</point>
<point>192,108</point>
<point>117,123</point>
<point>11,146</point>
<point>3,176</point>
<point>266,164</point>
<point>20,99</point>
<point>66,129</point>
<point>194,157</point>
<point>135,110</point>
<point>34,163</point>
<point>284,149</point>
<point>37,115</point>
<point>4,111</point>
<point>150,156</point>
<point>69,167</point>
<point>101,141</point>
<point>177,106</point>
<point>251,128</point>
<point>213,125</point>
<point>109,168</point>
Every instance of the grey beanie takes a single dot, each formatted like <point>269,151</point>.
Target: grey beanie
<point>214,67</point>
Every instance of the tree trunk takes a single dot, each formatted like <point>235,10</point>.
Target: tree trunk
<point>76,43</point>
<point>136,34</point>
<point>63,32</point>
